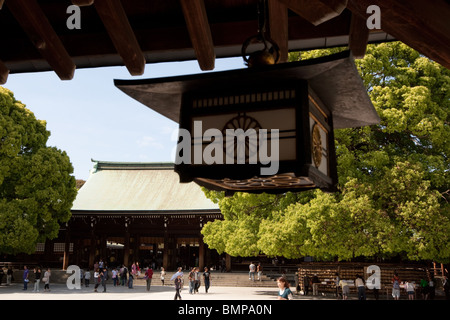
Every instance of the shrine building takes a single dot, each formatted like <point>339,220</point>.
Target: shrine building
<point>128,212</point>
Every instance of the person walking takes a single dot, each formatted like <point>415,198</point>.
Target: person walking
<point>284,293</point>
<point>25,277</point>
<point>207,279</point>
<point>361,287</point>
<point>162,275</point>
<point>410,289</point>
<point>306,282</point>
<point>96,279</point>
<point>259,269</point>
<point>251,273</point>
<point>191,278</point>
<point>9,276</point>
<point>345,289</point>
<point>114,276</point>
<point>148,277</point>
<point>196,280</point>
<point>123,275</point>
<point>177,283</point>
<point>337,279</point>
<point>446,286</point>
<point>315,285</point>
<point>130,279</point>
<point>46,280</point>
<point>87,277</point>
<point>431,287</point>
<point>396,287</point>
<point>37,278</point>
<point>104,277</point>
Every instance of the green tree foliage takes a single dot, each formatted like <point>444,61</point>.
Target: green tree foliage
<point>393,177</point>
<point>36,188</point>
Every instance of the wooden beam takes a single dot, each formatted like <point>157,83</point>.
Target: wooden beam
<point>4,72</point>
<point>316,11</point>
<point>279,29</point>
<point>121,34</point>
<point>82,3</point>
<point>34,22</point>
<point>421,26</point>
<point>359,35</point>
<point>200,33</point>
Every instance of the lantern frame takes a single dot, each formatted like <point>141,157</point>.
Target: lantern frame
<point>326,93</point>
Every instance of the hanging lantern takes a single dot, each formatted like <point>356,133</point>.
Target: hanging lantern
<point>266,129</point>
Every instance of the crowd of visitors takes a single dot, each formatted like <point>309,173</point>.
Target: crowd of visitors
<point>120,276</point>
<point>305,283</point>
<point>425,289</point>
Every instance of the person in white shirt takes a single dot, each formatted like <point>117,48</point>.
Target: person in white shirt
<point>410,287</point>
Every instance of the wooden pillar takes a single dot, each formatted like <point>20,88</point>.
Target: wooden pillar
<point>48,250</point>
<point>92,249</point>
<point>126,248</point>
<point>201,254</point>
<point>66,249</point>
<point>228,262</point>
<point>166,250</point>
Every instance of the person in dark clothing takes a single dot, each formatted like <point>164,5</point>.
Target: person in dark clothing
<point>306,282</point>
<point>315,284</point>
<point>177,283</point>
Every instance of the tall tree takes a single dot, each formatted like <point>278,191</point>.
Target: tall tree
<point>36,188</point>
<point>393,177</point>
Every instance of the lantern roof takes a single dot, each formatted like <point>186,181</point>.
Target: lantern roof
<point>333,78</point>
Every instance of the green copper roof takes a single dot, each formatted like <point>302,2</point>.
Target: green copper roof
<point>130,186</point>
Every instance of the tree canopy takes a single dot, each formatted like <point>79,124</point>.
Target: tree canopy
<point>393,177</point>
<point>36,188</point>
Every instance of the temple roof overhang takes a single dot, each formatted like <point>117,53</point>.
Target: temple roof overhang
<point>40,35</point>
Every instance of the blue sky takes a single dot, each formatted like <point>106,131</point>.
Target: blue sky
<point>90,118</point>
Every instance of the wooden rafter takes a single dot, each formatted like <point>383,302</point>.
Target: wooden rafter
<point>121,34</point>
<point>416,23</point>
<point>316,11</point>
<point>34,22</point>
<point>278,22</point>
<point>82,3</point>
<point>199,31</point>
<point>359,34</point>
<point>4,72</point>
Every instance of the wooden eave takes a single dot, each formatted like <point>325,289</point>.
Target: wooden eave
<point>134,33</point>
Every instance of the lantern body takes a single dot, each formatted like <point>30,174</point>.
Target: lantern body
<point>280,119</point>
<point>257,139</point>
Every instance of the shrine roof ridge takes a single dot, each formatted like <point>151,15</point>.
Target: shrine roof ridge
<point>123,165</point>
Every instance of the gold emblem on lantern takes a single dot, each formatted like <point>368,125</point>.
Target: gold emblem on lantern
<point>316,145</point>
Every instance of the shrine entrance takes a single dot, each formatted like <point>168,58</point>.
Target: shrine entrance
<point>188,252</point>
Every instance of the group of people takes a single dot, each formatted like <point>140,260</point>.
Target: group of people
<point>194,278</point>
<point>254,269</point>
<point>426,287</point>
<point>121,276</point>
<point>37,278</point>
<point>9,275</point>
<point>194,281</point>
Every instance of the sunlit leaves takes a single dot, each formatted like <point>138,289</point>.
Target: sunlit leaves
<point>393,177</point>
<point>36,188</point>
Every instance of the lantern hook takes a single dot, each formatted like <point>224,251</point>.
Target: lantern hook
<point>266,55</point>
